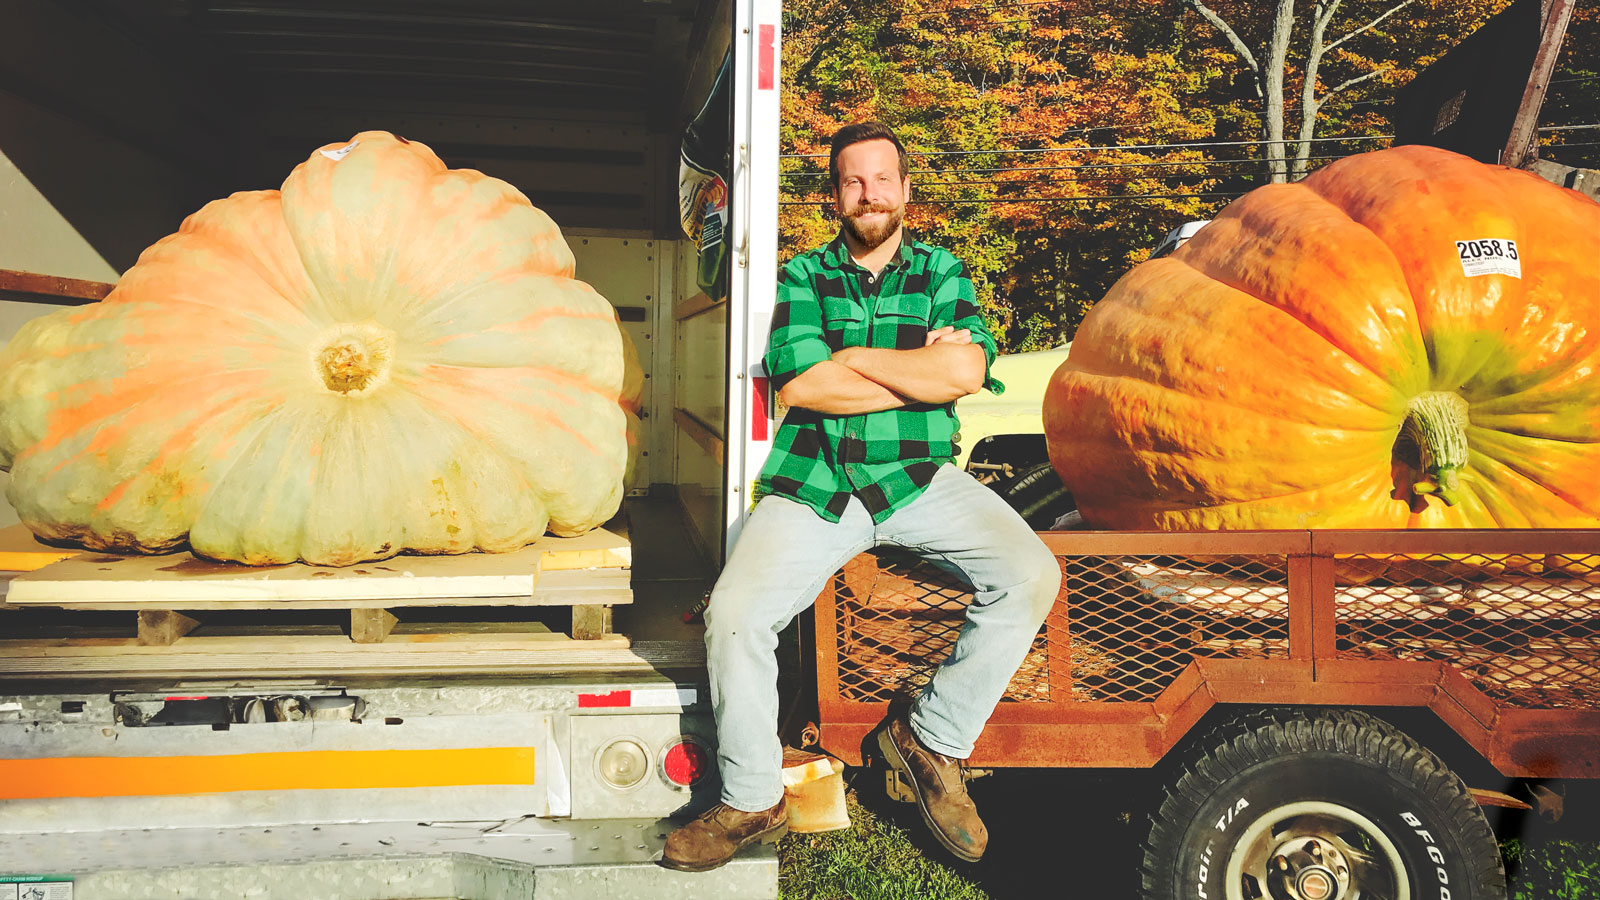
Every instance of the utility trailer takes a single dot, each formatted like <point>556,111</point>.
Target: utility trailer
<point>1166,648</point>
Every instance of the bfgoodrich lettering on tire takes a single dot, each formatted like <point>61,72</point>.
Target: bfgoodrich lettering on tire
<point>1318,805</point>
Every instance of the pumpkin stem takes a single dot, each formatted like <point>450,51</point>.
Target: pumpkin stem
<point>353,357</point>
<point>1437,423</point>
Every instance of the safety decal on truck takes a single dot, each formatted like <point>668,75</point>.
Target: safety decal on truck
<point>35,887</point>
<point>639,699</point>
<point>151,776</point>
<point>760,414</point>
<point>766,57</point>
<point>1489,256</point>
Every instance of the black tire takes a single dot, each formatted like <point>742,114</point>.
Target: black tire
<point>1037,494</point>
<point>1259,793</point>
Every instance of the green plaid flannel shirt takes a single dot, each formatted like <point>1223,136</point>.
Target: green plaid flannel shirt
<point>827,302</point>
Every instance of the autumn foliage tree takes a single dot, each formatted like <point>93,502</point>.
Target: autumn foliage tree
<point>1056,141</point>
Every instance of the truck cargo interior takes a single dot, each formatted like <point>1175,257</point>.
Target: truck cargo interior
<point>119,119</point>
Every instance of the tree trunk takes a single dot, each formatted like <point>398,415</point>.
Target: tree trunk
<point>1272,120</point>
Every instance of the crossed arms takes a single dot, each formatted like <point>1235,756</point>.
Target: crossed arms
<point>864,379</point>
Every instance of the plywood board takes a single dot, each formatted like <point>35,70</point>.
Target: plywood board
<point>602,548</point>
<point>182,581</point>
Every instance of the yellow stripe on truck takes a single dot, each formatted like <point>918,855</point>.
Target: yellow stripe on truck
<point>141,776</point>
<point>20,551</point>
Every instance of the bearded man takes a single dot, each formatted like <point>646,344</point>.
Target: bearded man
<point>874,337</point>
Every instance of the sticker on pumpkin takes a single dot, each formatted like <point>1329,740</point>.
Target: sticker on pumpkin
<point>341,153</point>
<point>1489,256</point>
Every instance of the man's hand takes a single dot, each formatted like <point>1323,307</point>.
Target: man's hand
<point>948,335</point>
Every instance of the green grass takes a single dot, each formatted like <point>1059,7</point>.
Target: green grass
<point>1553,870</point>
<point>870,860</point>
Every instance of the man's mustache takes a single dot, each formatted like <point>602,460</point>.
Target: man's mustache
<point>865,208</point>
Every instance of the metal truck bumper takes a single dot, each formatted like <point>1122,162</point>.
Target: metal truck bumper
<point>524,858</point>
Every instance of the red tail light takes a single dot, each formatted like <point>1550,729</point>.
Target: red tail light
<point>686,762</point>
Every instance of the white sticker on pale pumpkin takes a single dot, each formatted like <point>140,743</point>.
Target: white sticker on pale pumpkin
<point>340,153</point>
<point>1489,256</point>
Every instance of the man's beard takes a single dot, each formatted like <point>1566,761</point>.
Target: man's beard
<point>871,237</point>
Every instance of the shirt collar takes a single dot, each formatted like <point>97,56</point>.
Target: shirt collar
<point>838,254</point>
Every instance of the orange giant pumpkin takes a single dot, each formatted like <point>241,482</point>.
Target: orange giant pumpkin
<point>1406,338</point>
<point>386,355</point>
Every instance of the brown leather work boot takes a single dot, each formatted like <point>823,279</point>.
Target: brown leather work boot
<point>721,831</point>
<point>941,788</point>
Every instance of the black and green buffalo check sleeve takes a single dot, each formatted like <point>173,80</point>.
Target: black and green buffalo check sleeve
<point>796,342</point>
<point>955,303</point>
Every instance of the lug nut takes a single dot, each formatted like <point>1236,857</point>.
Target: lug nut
<point>1282,862</point>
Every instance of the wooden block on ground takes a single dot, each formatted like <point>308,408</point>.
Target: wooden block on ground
<point>163,627</point>
<point>591,622</point>
<point>371,626</point>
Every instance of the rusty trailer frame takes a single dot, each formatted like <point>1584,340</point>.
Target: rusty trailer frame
<point>1496,632</point>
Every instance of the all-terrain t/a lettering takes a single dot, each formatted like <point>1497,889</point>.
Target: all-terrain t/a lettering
<point>1227,818</point>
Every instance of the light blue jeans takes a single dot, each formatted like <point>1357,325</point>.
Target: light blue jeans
<point>785,556</point>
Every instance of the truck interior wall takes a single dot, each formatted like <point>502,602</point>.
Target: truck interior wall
<point>119,142</point>
<point>586,174</point>
<point>699,414</point>
<point>628,269</point>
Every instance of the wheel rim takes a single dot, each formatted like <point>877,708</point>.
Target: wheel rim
<point>1314,850</point>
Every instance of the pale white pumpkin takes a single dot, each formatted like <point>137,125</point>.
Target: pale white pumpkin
<point>387,355</point>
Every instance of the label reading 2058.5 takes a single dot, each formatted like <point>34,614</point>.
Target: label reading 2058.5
<point>1489,256</point>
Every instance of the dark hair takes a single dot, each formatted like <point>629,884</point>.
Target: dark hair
<point>855,134</point>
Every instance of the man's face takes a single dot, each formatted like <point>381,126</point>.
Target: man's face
<point>871,199</point>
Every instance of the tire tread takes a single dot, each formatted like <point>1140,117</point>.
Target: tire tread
<point>1242,741</point>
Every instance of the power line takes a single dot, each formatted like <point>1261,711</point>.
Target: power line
<point>1228,194</point>
<point>1003,184</point>
<point>999,184</point>
<point>961,10</point>
<point>1065,133</point>
<point>1083,167</point>
<point>1102,149</point>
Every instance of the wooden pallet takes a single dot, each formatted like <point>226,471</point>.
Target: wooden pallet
<point>590,574</point>
<point>279,655</point>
